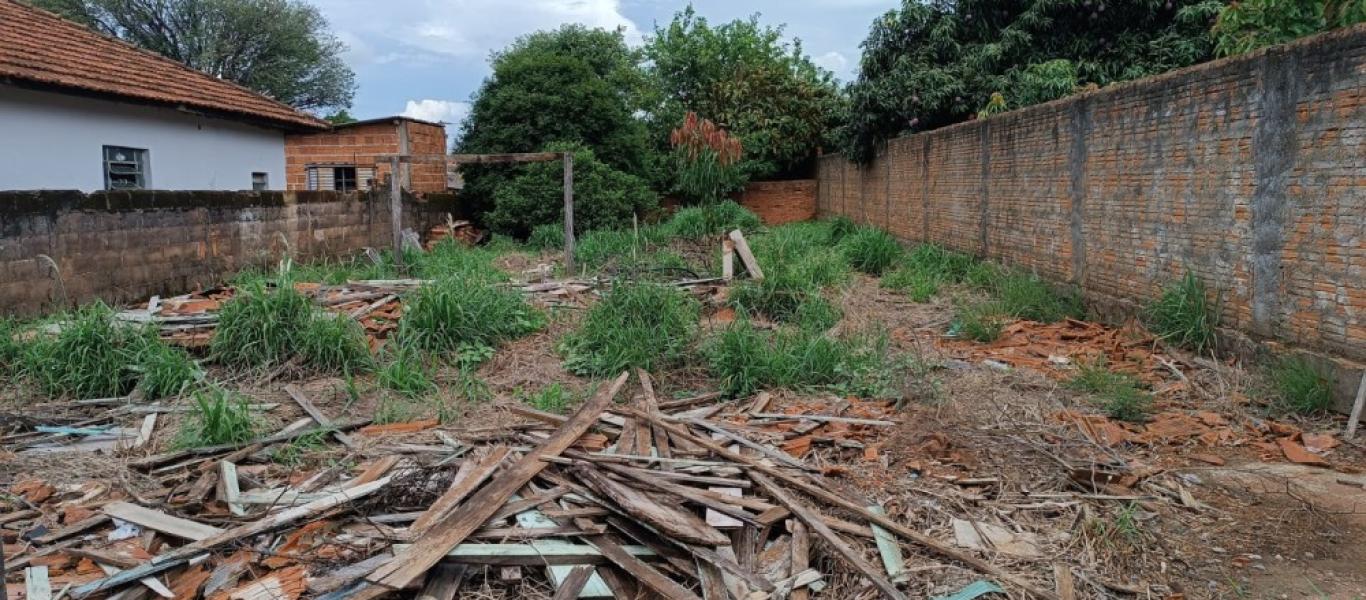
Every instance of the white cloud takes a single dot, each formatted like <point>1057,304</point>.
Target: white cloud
<point>443,111</point>
<point>832,61</point>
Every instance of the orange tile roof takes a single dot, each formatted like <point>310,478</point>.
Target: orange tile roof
<point>38,47</point>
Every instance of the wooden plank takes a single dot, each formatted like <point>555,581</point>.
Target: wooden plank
<point>36,584</point>
<point>1063,582</point>
<point>573,584</point>
<point>727,260</point>
<point>535,520</point>
<point>781,457</point>
<point>801,554</point>
<point>444,536</point>
<point>152,584</point>
<point>1357,406</point>
<point>506,158</point>
<point>687,493</point>
<point>825,418</point>
<point>545,553</point>
<point>641,572</point>
<point>674,522</point>
<point>179,556</point>
<point>713,583</point>
<point>889,550</point>
<point>568,168</point>
<point>661,437</point>
<point>284,435</point>
<point>83,525</point>
<point>837,500</point>
<point>461,487</point>
<point>681,402</point>
<point>317,415</point>
<point>746,256</point>
<point>149,426</point>
<point>159,521</point>
<point>719,519</point>
<point>843,551</point>
<point>443,582</point>
<point>232,491</point>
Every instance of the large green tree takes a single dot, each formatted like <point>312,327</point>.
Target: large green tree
<point>1247,25</point>
<point>930,64</point>
<point>280,48</point>
<point>746,78</point>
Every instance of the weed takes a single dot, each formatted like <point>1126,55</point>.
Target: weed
<point>395,409</point>
<point>294,453</point>
<point>871,250</point>
<point>220,417</point>
<point>1127,404</point>
<point>777,296</point>
<point>548,236</point>
<point>453,313</point>
<point>1301,386</point>
<point>1025,296</point>
<point>1119,394</point>
<point>711,220</point>
<point>635,325</point>
<point>351,387</point>
<point>627,252</point>
<point>450,259</point>
<point>165,370</point>
<point>471,388</point>
<point>839,228</point>
<point>917,284</point>
<point>815,314</point>
<point>334,343</point>
<point>980,321</point>
<point>407,373</point>
<point>553,398</point>
<point>11,350</point>
<point>93,355</point>
<point>1184,316</point>
<point>260,326</point>
<point>747,360</point>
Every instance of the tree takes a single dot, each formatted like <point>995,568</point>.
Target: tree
<point>933,64</point>
<point>570,85</point>
<point>280,48</point>
<point>341,117</point>
<point>705,159</point>
<point>604,197</point>
<point>747,79</point>
<point>1247,25</point>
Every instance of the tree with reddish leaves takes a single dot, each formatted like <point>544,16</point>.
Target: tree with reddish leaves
<point>707,159</point>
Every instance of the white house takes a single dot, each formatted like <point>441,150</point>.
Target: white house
<point>79,110</point>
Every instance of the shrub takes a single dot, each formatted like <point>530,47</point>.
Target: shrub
<point>706,160</point>
<point>334,343</point>
<point>635,325</point>
<point>546,236</point>
<point>1025,296</point>
<point>220,417</point>
<point>712,220</point>
<point>1183,315</point>
<point>747,360</point>
<point>871,250</point>
<point>459,314</point>
<point>604,198</point>
<point>260,326</point>
<point>1301,387</point>
<point>407,373</point>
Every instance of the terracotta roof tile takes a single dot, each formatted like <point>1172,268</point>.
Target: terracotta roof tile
<point>39,47</point>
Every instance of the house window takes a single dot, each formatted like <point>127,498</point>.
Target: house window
<point>344,179</point>
<point>260,181</point>
<point>125,168</point>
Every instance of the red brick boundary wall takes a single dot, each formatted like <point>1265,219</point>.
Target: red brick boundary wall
<point>778,202</point>
<point>126,246</point>
<point>1250,172</point>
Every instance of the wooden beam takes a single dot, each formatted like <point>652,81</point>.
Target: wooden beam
<point>317,415</point>
<point>573,583</point>
<point>470,476</point>
<point>746,256</point>
<point>407,567</point>
<point>673,521</point>
<point>500,159</point>
<point>160,521</point>
<point>643,573</point>
<point>569,212</point>
<point>36,583</point>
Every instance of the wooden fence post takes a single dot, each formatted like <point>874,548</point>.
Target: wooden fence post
<point>396,209</point>
<point>569,213</point>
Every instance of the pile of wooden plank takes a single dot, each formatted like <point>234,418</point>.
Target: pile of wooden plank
<point>629,499</point>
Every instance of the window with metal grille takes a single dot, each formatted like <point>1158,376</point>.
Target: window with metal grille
<point>344,178</point>
<point>125,168</point>
<point>260,181</point>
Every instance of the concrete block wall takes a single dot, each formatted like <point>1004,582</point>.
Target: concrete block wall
<point>778,202</point>
<point>1249,171</point>
<point>125,246</point>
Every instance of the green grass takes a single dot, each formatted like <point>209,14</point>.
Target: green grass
<point>94,356</point>
<point>11,349</point>
<point>334,343</point>
<point>712,220</point>
<point>871,250</point>
<point>916,284</point>
<point>1184,316</point>
<point>395,409</point>
<point>1301,387</point>
<point>220,417</point>
<point>295,452</point>
<point>1119,394</point>
<point>980,321</point>
<point>644,253</point>
<point>747,360</point>
<point>1025,296</point>
<point>260,325</point>
<point>838,228</point>
<point>816,314</point>
<point>798,263</point>
<point>407,373</point>
<point>452,259</point>
<point>553,398</point>
<point>548,236</point>
<point>636,325</point>
<point>927,267</point>
<point>460,315</point>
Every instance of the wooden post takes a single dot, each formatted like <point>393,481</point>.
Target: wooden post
<point>569,213</point>
<point>396,209</point>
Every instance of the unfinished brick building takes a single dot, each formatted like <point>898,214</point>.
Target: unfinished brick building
<point>355,156</point>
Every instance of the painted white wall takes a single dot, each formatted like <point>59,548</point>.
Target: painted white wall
<point>56,141</point>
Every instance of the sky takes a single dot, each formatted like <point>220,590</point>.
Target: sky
<point>424,58</point>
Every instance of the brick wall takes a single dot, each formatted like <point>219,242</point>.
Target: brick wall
<point>126,246</point>
<point>1250,172</point>
<point>366,144</point>
<point>778,202</point>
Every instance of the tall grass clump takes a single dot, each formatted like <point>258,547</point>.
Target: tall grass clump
<point>260,325</point>
<point>980,321</point>
<point>456,315</point>
<point>219,417</point>
<point>334,343</point>
<point>871,250</point>
<point>926,267</point>
<point>406,372</point>
<point>1301,387</point>
<point>747,359</point>
<point>798,264</point>
<point>636,325</point>
<point>712,220</point>
<point>1025,296</point>
<point>1184,316</point>
<point>1120,395</point>
<point>917,284</point>
<point>547,236</point>
<point>840,227</point>
<point>93,356</point>
<point>451,258</point>
<point>11,350</point>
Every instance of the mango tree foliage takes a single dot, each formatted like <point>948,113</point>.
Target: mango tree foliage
<point>1247,25</point>
<point>931,64</point>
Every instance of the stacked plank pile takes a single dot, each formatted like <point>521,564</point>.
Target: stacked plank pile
<point>652,498</point>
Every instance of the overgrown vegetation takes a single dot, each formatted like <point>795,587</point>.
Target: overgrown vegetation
<point>265,325</point>
<point>406,372</point>
<point>92,355</point>
<point>457,315</point>
<point>1247,25</point>
<point>712,220</point>
<point>798,264</point>
<point>604,198</point>
<point>635,325</point>
<point>1301,386</point>
<point>1184,316</point>
<point>871,250</point>
<point>1026,296</point>
<point>220,417</point>
<point>553,398</point>
<point>747,359</point>
<point>1120,395</point>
